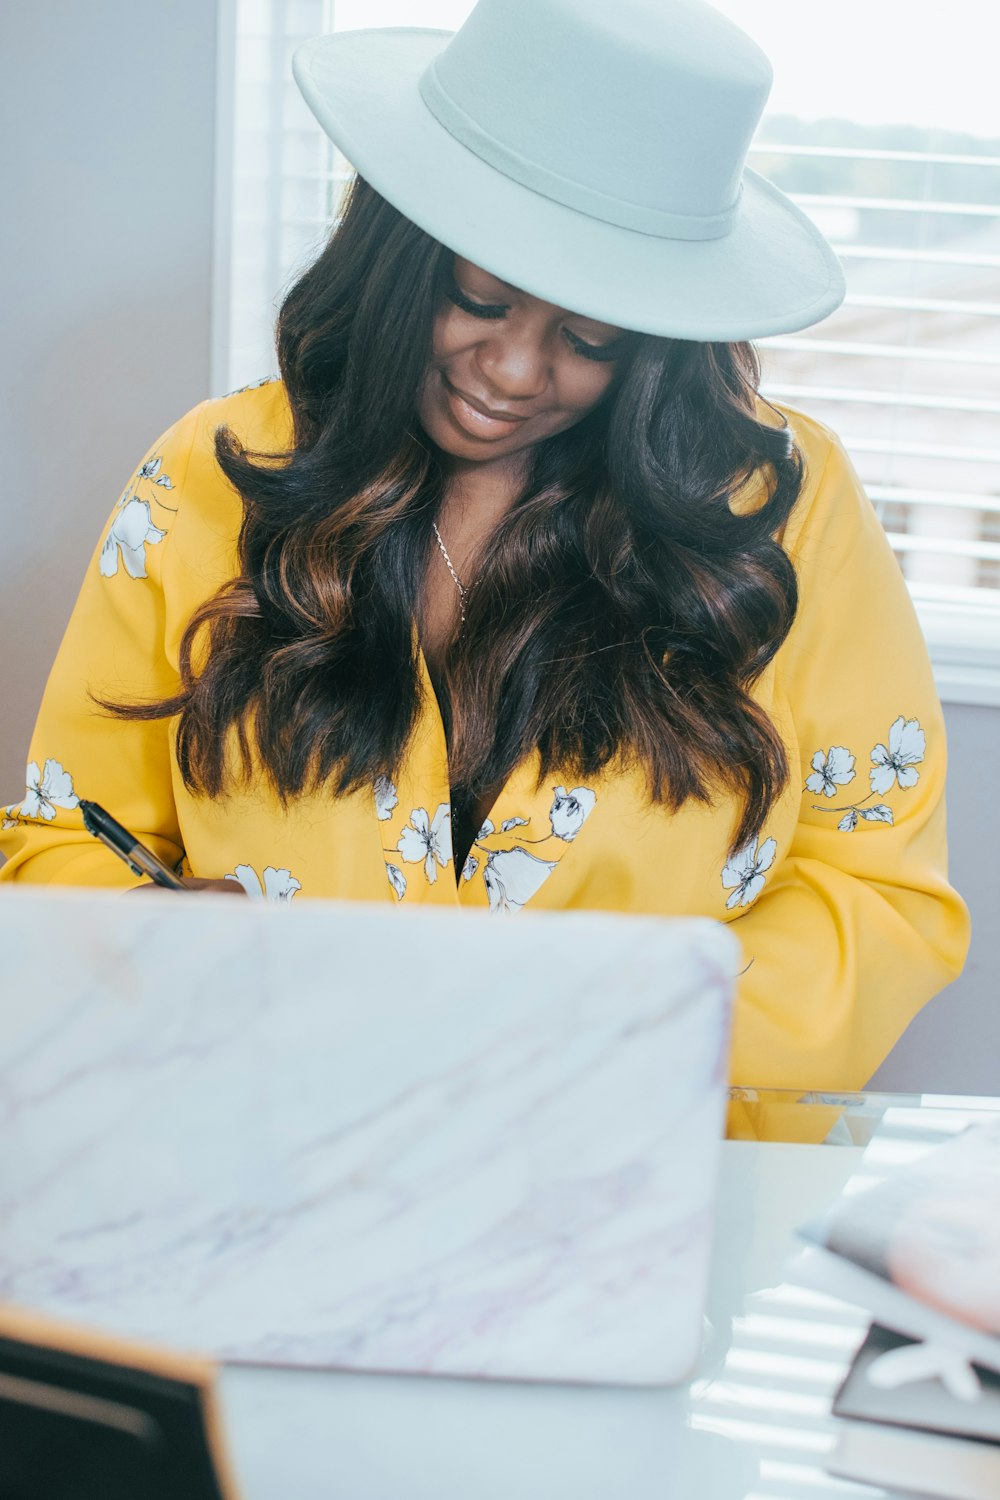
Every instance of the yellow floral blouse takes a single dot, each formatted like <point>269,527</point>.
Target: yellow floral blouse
<point>842,903</point>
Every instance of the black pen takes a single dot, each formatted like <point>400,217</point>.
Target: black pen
<point>140,860</point>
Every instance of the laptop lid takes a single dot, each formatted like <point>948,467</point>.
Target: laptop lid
<point>362,1137</point>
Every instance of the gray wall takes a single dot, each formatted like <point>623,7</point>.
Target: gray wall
<point>107,123</point>
<point>953,1046</point>
<point>108,120</point>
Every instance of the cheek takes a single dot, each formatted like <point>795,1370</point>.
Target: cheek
<point>582,384</point>
<point>446,337</point>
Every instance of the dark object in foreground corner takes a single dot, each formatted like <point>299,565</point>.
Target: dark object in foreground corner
<point>917,1436</point>
<point>85,1417</point>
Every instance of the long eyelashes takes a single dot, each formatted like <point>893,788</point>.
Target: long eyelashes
<point>595,351</point>
<point>477,309</point>
<point>493,310</point>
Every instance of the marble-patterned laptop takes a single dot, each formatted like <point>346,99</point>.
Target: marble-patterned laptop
<point>362,1137</point>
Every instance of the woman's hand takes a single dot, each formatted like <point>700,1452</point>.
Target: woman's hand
<point>192,883</point>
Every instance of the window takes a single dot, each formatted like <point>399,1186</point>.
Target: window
<point>907,370</point>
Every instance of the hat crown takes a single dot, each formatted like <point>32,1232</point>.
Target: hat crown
<point>639,113</point>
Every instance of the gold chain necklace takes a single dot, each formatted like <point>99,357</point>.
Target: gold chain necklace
<point>452,570</point>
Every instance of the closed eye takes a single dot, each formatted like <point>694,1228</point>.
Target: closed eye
<point>476,309</point>
<point>595,351</point>
<point>493,310</point>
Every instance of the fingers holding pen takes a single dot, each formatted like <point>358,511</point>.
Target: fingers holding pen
<point>194,883</point>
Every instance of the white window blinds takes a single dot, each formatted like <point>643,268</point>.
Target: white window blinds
<point>907,371</point>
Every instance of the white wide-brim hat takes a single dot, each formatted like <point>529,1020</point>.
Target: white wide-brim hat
<point>590,153</point>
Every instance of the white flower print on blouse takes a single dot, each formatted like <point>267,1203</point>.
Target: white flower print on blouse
<point>47,789</point>
<point>570,810</point>
<point>513,876</point>
<point>130,531</point>
<point>427,842</point>
<point>385,798</point>
<point>133,530</point>
<point>151,470</point>
<point>254,385</point>
<point>835,768</point>
<point>744,873</point>
<point>895,764</point>
<point>878,814</point>
<point>507,826</point>
<point>277,885</point>
<point>892,765</point>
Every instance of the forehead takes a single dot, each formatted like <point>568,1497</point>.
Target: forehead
<point>496,286</point>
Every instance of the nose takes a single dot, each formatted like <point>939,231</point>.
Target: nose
<point>514,362</point>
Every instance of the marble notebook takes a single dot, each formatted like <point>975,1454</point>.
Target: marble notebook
<point>362,1137</point>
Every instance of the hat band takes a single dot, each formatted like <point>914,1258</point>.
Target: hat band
<point>597,205</point>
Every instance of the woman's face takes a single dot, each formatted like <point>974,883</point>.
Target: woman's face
<point>508,369</point>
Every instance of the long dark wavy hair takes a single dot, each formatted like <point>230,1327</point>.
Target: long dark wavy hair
<point>622,610</point>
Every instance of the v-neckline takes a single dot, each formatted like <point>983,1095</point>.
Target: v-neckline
<point>474,818</point>
<point>431,702</point>
<point>519,844</point>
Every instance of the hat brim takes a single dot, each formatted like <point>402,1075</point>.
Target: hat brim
<point>772,273</point>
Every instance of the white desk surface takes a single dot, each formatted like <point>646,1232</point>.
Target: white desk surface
<point>754,1425</point>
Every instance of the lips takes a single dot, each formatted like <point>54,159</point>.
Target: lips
<point>486,411</point>
<point>475,417</point>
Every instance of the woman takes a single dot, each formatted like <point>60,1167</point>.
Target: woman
<point>513,591</point>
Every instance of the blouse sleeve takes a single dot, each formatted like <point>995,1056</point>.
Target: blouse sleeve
<point>114,648</point>
<point>858,927</point>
